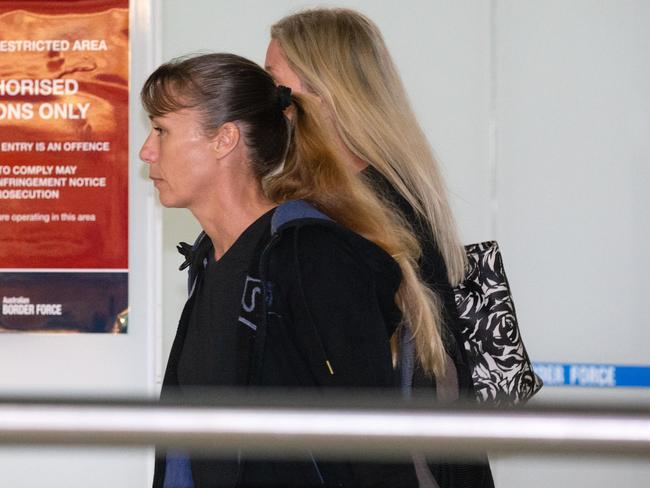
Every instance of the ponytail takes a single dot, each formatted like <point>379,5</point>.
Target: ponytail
<point>314,172</point>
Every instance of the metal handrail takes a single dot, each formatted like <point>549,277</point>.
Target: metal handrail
<point>280,428</point>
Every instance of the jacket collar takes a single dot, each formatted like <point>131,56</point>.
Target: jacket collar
<point>285,213</point>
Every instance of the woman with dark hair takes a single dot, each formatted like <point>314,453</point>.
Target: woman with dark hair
<point>300,277</point>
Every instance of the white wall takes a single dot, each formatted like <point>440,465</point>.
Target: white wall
<point>573,151</point>
<point>572,177</point>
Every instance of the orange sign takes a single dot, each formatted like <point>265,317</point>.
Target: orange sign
<point>64,81</point>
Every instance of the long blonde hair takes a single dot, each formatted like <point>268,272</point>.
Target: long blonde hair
<point>314,171</point>
<point>340,56</point>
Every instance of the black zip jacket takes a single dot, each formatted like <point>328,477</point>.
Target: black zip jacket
<point>326,321</point>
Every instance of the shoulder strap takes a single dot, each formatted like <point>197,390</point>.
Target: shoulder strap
<point>294,210</point>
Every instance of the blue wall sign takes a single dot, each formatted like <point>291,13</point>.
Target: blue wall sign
<point>593,375</point>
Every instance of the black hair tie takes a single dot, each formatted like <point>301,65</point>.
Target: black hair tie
<point>284,96</point>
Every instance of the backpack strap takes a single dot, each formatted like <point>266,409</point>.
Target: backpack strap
<point>294,210</point>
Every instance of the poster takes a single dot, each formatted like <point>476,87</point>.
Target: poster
<point>64,92</point>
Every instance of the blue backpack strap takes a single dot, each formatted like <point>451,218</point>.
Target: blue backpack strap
<point>294,210</point>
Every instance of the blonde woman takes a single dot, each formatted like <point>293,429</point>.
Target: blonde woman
<point>339,56</point>
<point>300,276</point>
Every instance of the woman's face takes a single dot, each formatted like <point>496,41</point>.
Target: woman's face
<point>180,157</point>
<point>276,64</point>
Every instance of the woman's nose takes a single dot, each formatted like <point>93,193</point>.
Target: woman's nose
<point>147,151</point>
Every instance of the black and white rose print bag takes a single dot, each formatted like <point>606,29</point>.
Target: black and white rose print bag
<point>501,370</point>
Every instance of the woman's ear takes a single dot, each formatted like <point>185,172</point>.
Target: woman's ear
<point>226,139</point>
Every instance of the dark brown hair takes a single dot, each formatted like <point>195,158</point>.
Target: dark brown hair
<point>224,88</point>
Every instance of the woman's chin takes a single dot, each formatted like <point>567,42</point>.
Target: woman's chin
<point>167,200</point>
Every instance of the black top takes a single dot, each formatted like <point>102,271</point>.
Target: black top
<point>434,273</point>
<point>325,321</point>
<point>216,350</point>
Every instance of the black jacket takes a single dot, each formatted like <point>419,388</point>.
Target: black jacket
<point>434,272</point>
<point>325,321</point>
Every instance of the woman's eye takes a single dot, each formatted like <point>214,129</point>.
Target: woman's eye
<point>158,130</point>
